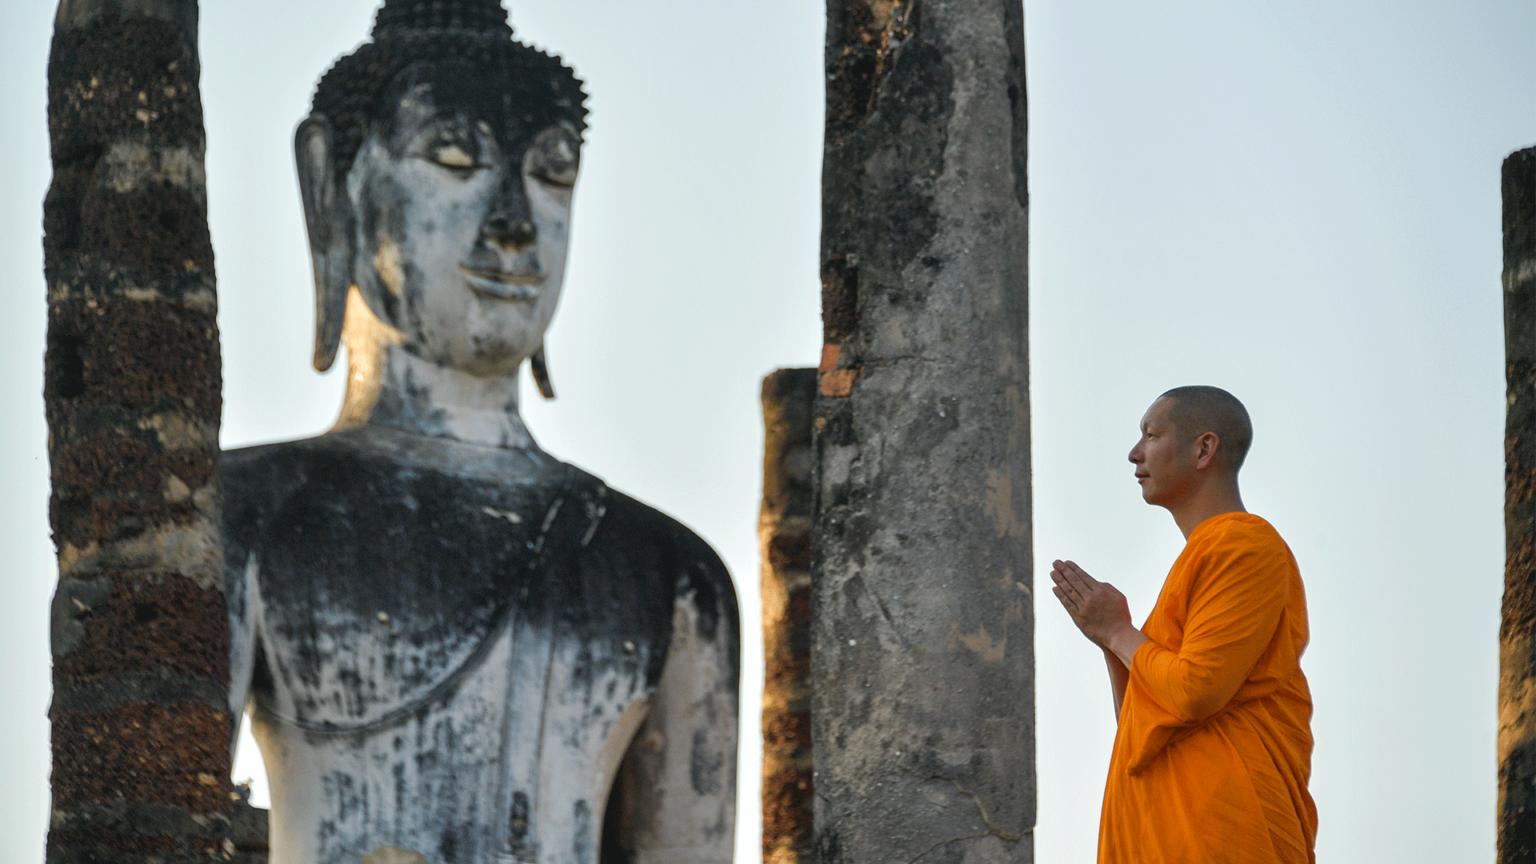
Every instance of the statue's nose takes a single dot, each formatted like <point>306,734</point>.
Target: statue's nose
<point>510,231</point>
<point>509,222</point>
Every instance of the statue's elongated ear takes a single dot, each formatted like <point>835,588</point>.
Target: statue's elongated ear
<point>539,365</point>
<point>328,217</point>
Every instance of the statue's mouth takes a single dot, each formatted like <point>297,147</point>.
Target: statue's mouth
<point>502,285</point>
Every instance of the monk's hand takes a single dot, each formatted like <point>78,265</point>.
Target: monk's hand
<point>1097,609</point>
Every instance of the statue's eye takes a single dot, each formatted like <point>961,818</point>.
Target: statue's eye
<point>452,145</point>
<point>453,156</point>
<point>456,149</point>
<point>554,157</point>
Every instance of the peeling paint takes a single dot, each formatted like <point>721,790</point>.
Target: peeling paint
<point>999,505</point>
<point>130,165</point>
<point>392,855</point>
<point>984,646</point>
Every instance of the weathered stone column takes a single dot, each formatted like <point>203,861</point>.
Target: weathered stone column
<point>141,723</point>
<point>784,530</point>
<point>1517,632</point>
<point>922,621</point>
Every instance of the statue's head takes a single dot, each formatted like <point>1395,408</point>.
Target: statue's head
<point>436,167</point>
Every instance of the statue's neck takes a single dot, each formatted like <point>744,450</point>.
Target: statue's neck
<point>389,386</point>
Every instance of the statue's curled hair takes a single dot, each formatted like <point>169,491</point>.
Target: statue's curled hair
<point>470,32</point>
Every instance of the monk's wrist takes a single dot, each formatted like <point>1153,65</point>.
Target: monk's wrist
<point>1124,643</point>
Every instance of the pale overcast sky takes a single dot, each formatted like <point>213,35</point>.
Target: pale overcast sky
<point>1298,202</point>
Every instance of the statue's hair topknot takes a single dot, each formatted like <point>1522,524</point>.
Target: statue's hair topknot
<point>475,32</point>
<point>479,16</point>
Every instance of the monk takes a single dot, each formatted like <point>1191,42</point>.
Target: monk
<point>1214,745</point>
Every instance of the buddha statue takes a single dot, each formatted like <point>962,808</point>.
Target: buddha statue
<point>452,647</point>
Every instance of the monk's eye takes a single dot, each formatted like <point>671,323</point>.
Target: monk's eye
<point>554,157</point>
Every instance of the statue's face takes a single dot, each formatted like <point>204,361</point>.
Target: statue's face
<point>463,218</point>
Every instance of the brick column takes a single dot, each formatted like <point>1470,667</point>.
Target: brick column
<point>141,724</point>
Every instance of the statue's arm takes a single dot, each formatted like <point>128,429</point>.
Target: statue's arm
<point>679,783</point>
<point>240,592</point>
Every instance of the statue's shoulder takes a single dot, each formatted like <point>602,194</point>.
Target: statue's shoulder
<point>693,570</point>
<point>372,514</point>
<point>257,477</point>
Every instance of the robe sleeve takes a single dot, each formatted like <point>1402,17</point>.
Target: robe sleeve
<point>1236,597</point>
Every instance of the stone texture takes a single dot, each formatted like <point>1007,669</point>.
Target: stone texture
<point>1517,631</point>
<point>248,834</point>
<point>140,641</point>
<point>922,622</point>
<point>784,531</point>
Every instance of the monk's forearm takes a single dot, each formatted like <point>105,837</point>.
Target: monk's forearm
<point>1119,675</point>
<point>1119,648</point>
<point>1123,642</point>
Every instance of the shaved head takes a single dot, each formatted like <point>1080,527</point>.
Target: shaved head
<point>1199,409</point>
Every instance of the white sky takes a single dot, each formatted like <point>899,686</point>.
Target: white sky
<point>1298,202</point>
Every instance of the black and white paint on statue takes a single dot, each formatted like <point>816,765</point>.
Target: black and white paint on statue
<point>453,647</point>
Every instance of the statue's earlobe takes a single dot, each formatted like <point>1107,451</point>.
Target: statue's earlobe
<point>540,369</point>
<point>328,219</point>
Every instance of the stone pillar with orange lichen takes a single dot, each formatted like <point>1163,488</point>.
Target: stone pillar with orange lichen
<point>921,615</point>
<point>784,531</point>
<point>1517,632</point>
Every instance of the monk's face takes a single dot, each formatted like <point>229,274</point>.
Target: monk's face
<point>463,219</point>
<point>1165,458</point>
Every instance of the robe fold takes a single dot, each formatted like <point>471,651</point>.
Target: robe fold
<point>1214,745</point>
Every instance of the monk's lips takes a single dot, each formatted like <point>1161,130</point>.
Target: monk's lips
<point>504,286</point>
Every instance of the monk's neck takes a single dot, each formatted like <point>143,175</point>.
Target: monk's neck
<point>389,386</point>
<point>1213,499</point>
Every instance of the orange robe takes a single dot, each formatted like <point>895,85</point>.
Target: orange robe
<point>1214,748</point>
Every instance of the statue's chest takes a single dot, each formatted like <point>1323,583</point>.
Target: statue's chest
<point>446,662</point>
<point>377,596</point>
<point>511,764</point>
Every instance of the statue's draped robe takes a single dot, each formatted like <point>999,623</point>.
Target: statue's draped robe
<point>1214,747</point>
<point>450,649</point>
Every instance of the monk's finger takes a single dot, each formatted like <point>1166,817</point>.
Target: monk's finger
<point>1065,589</point>
<point>1079,573</point>
<point>1072,604</point>
<point>1072,609</point>
<point>1061,594</point>
<point>1065,601</point>
<point>1073,576</point>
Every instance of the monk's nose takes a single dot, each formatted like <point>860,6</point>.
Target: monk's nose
<point>510,231</point>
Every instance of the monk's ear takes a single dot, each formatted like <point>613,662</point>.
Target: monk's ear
<point>328,218</point>
<point>1206,448</point>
